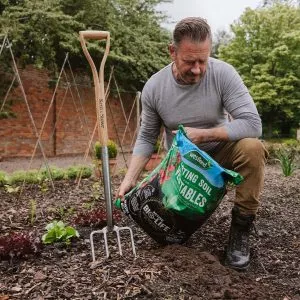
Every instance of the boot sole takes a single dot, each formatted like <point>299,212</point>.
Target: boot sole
<point>237,268</point>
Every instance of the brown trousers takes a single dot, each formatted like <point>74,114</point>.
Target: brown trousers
<point>247,157</point>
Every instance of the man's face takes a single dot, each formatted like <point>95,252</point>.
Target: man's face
<point>190,60</point>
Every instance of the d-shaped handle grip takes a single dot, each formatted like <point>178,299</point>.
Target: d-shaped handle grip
<point>98,78</point>
<point>94,34</point>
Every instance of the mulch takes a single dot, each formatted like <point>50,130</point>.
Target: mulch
<point>194,270</point>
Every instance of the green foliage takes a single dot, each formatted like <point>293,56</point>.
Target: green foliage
<point>56,173</point>
<point>111,148</point>
<point>64,212</point>
<point>74,172</point>
<point>3,178</point>
<point>41,177</point>
<point>7,115</point>
<point>96,192</point>
<point>11,189</point>
<point>57,231</point>
<point>292,143</point>
<point>43,31</point>
<point>286,158</point>
<point>44,186</point>
<point>32,211</point>
<point>266,52</point>
<point>40,31</point>
<point>70,173</point>
<point>276,145</point>
<point>7,81</point>
<point>86,172</point>
<point>18,177</point>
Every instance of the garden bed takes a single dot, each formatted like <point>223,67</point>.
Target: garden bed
<point>190,271</point>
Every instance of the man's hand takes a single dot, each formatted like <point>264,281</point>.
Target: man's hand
<point>125,187</point>
<point>199,135</point>
<point>136,166</point>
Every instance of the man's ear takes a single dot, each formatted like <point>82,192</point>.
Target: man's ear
<point>172,51</point>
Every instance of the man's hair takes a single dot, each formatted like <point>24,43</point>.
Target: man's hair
<point>192,28</point>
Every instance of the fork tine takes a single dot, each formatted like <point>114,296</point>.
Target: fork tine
<point>131,238</point>
<point>105,241</point>
<point>104,231</point>
<point>117,230</point>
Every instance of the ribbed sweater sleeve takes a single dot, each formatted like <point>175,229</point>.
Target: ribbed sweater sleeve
<point>239,104</point>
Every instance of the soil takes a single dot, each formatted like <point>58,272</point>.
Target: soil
<point>194,270</point>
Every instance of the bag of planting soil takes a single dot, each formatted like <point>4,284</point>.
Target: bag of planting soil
<point>180,194</point>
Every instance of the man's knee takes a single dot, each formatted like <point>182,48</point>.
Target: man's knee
<point>253,149</point>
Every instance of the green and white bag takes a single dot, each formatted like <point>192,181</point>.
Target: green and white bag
<point>180,194</point>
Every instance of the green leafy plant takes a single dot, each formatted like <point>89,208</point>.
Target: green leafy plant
<point>72,16</point>
<point>7,114</point>
<point>16,177</point>
<point>286,158</point>
<point>57,231</point>
<point>71,173</point>
<point>42,177</point>
<point>63,212</point>
<point>74,171</point>
<point>11,189</point>
<point>85,171</point>
<point>111,148</point>
<point>3,178</point>
<point>32,211</point>
<point>56,173</point>
<point>31,176</point>
<point>44,186</point>
<point>96,193</point>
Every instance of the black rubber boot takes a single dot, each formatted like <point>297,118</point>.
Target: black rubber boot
<point>238,249</point>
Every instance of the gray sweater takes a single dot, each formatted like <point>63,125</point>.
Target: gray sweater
<point>202,105</point>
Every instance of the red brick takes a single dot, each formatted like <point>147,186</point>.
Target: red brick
<point>17,137</point>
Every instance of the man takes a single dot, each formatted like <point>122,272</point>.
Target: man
<point>197,91</point>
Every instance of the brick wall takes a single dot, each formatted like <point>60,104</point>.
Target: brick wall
<point>70,122</point>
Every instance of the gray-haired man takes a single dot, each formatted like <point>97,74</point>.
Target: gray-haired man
<point>196,90</point>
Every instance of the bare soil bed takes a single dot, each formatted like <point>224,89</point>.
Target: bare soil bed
<point>190,271</point>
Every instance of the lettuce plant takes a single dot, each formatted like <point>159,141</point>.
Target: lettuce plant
<point>94,218</point>
<point>57,231</point>
<point>18,244</point>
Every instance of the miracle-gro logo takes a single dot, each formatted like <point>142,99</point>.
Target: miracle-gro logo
<point>196,159</point>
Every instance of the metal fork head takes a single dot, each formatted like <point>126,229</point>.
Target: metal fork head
<point>106,230</point>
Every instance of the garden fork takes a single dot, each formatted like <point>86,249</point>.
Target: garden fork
<point>103,138</point>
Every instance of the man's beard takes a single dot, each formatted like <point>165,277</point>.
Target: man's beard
<point>189,78</point>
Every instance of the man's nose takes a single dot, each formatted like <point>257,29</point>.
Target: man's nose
<point>196,69</point>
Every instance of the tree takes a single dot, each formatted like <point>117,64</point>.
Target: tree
<point>221,37</point>
<point>266,51</point>
<point>138,42</point>
<point>42,31</point>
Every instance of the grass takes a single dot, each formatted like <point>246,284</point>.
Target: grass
<point>286,157</point>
